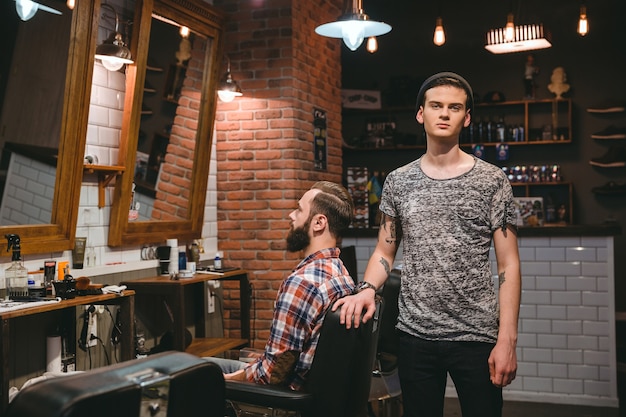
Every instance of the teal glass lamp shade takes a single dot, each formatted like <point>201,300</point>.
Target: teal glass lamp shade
<point>353,26</point>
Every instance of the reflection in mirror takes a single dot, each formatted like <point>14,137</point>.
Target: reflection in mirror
<point>45,73</point>
<point>168,128</point>
<point>170,93</point>
<point>32,81</point>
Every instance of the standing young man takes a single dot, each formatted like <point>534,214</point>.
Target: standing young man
<point>323,214</point>
<point>448,207</point>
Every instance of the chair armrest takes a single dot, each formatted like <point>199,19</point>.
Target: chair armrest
<point>268,395</point>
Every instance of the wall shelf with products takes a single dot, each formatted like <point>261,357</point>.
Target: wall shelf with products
<point>390,128</point>
<point>542,122</point>
<point>525,122</point>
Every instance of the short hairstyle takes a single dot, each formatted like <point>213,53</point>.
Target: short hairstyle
<point>445,78</point>
<point>335,203</point>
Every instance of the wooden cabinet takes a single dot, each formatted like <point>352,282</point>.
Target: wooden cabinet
<point>163,304</point>
<point>24,333</point>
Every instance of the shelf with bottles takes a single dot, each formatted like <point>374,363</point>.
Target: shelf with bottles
<point>521,122</point>
<point>390,128</point>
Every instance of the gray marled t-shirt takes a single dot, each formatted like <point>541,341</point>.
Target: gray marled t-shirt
<point>447,291</point>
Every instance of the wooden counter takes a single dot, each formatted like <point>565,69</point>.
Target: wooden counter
<point>13,336</point>
<point>157,297</point>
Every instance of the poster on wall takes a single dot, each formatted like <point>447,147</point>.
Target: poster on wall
<point>319,138</point>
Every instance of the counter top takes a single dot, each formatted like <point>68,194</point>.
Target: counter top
<point>604,229</point>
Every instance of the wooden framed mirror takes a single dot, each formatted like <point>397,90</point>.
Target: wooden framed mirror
<point>45,102</point>
<point>168,124</point>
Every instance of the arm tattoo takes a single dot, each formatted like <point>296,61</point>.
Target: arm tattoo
<point>501,278</point>
<point>392,239</point>
<point>385,265</point>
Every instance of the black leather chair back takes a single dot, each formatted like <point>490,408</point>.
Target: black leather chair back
<point>338,382</point>
<point>195,386</point>
<point>341,373</point>
<point>388,342</point>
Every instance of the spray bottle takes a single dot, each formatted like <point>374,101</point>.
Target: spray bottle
<point>16,275</point>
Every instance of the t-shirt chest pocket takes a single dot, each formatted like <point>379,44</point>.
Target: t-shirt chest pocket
<point>470,214</point>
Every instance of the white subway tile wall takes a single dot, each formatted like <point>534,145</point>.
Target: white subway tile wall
<point>93,221</point>
<point>28,193</point>
<point>566,342</point>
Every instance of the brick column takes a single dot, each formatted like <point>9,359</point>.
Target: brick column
<point>265,138</point>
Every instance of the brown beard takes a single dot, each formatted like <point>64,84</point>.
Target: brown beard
<point>298,238</point>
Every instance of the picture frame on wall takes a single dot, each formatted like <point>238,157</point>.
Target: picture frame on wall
<point>529,211</point>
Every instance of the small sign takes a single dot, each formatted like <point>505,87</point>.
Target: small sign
<point>529,211</point>
<point>360,99</point>
<point>319,139</point>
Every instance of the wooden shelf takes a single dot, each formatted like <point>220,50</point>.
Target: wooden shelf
<point>213,346</point>
<point>106,173</point>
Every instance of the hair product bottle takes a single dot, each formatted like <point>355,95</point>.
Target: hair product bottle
<point>16,275</point>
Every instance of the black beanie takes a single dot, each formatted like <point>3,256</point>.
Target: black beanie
<point>431,80</point>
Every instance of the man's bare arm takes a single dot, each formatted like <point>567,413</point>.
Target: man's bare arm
<point>378,269</point>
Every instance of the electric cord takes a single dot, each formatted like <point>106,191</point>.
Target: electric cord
<point>89,356</point>
<point>106,355</point>
<point>116,333</point>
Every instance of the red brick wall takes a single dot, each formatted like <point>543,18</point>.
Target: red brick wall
<point>265,138</point>
<point>172,188</point>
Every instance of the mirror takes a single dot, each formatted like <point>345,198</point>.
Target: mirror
<point>166,141</point>
<point>43,122</point>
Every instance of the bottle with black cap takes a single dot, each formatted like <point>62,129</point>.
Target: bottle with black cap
<point>16,275</point>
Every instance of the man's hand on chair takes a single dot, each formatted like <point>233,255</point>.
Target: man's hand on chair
<point>353,306</point>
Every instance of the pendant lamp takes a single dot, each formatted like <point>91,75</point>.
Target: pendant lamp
<point>228,89</point>
<point>26,9</point>
<point>353,26</point>
<point>113,53</point>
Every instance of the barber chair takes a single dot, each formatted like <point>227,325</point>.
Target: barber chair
<point>172,384</point>
<point>338,382</point>
<point>385,388</point>
<point>348,257</point>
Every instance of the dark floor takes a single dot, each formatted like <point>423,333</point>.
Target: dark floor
<point>515,409</point>
<point>526,409</point>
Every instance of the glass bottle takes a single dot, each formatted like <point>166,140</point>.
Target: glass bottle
<point>489,130</point>
<point>16,275</point>
<point>501,130</point>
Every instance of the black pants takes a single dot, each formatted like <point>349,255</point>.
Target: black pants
<point>423,367</point>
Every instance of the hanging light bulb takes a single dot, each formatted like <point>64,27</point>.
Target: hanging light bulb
<point>113,52</point>
<point>440,36</point>
<point>71,4</point>
<point>353,26</point>
<point>353,34</point>
<point>372,44</point>
<point>509,29</point>
<point>184,31</point>
<point>228,88</point>
<point>583,26</point>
